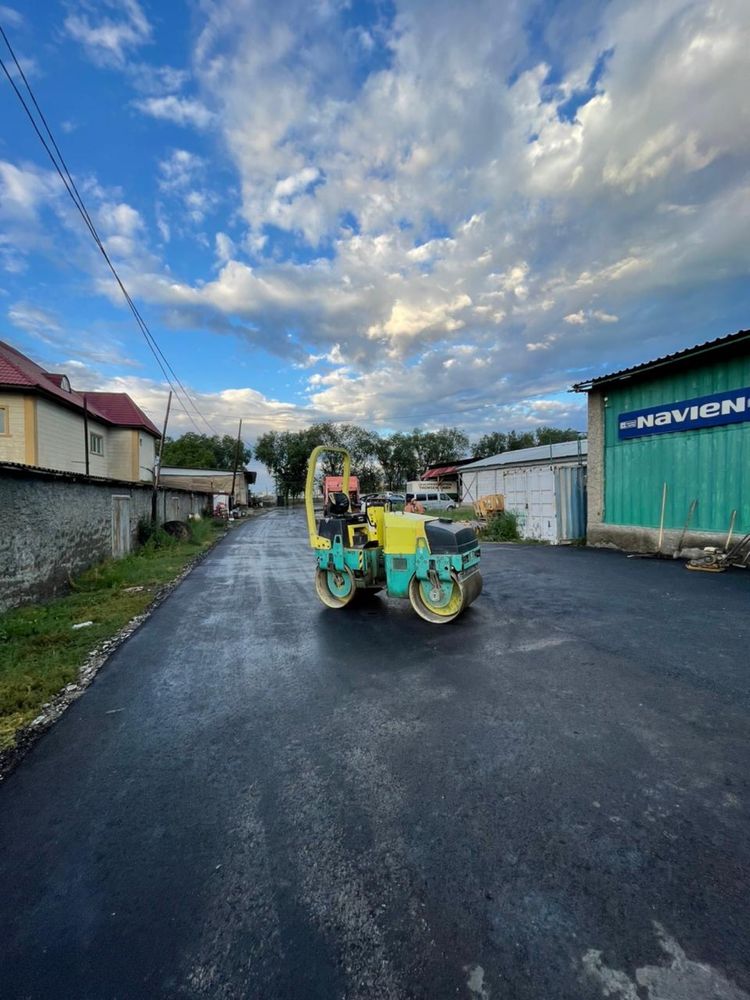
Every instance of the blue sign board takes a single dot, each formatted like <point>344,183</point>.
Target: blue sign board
<point>731,407</point>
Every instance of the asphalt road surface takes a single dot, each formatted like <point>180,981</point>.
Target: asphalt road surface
<point>259,797</point>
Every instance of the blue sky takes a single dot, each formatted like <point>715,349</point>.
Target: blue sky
<point>397,214</point>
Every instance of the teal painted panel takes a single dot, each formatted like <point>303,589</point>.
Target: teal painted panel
<point>711,465</point>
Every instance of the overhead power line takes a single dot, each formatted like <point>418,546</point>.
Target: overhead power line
<point>75,195</point>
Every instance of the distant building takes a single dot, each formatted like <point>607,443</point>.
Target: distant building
<point>669,449</point>
<point>45,423</point>
<point>442,476</point>
<point>216,482</point>
<point>545,487</point>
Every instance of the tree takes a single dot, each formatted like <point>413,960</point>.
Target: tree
<point>397,459</point>
<point>362,446</point>
<point>556,435</point>
<point>522,439</point>
<point>447,445</point>
<point>199,451</point>
<point>491,444</point>
<point>285,455</point>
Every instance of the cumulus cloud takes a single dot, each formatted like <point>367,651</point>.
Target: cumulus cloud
<point>434,214</point>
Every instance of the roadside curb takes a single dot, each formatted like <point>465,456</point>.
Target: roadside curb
<point>27,736</point>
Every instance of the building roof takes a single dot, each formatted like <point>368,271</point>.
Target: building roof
<point>20,468</point>
<point>116,408</point>
<point>120,409</point>
<point>442,470</point>
<point>176,470</point>
<point>729,342</point>
<point>530,456</point>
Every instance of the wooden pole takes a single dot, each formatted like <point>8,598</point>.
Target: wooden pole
<point>86,432</point>
<point>731,530</point>
<point>236,459</point>
<point>157,470</point>
<point>661,520</point>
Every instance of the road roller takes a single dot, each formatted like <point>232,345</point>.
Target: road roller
<point>431,561</point>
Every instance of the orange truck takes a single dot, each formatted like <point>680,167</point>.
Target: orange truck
<point>334,484</point>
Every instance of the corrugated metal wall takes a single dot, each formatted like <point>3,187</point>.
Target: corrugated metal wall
<point>549,501</point>
<point>570,489</point>
<point>711,465</point>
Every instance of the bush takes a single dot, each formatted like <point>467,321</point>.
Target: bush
<point>502,527</point>
<point>152,536</point>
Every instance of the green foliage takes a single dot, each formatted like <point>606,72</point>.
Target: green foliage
<point>406,456</point>
<point>285,455</point>
<point>382,462</point>
<point>199,451</point>
<point>502,527</point>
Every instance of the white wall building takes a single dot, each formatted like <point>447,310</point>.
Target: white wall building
<point>545,487</point>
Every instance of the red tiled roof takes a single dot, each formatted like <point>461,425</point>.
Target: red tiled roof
<point>115,408</point>
<point>118,408</point>
<point>21,370</point>
<point>443,470</point>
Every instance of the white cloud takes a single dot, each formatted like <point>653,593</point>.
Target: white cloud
<point>432,203</point>
<point>108,39</point>
<point>576,318</point>
<point>11,17</point>
<point>32,318</point>
<point>225,248</point>
<point>180,110</point>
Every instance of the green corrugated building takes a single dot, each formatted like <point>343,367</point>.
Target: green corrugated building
<point>669,449</point>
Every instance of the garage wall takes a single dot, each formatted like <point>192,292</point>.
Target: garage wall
<point>53,527</point>
<point>709,465</point>
<point>549,501</point>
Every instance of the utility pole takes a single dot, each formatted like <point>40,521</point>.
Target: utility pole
<point>236,459</point>
<point>86,432</point>
<point>157,470</point>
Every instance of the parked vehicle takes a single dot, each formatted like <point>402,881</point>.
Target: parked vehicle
<point>335,484</point>
<point>435,500</point>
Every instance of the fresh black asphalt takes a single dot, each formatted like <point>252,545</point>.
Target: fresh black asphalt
<point>262,798</point>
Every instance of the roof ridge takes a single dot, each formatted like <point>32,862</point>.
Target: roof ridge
<point>665,359</point>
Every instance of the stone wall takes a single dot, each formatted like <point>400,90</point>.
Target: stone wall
<point>53,526</point>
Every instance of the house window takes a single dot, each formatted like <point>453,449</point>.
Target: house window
<point>4,428</point>
<point>96,444</point>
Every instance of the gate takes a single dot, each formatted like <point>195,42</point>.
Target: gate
<point>120,526</point>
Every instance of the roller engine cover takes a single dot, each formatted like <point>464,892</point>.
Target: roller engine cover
<point>449,538</point>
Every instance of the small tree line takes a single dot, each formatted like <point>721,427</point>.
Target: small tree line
<point>385,462</point>
<point>379,461</point>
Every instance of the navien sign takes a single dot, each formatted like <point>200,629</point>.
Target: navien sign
<point>731,407</point>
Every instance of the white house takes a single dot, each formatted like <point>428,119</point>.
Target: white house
<point>45,423</point>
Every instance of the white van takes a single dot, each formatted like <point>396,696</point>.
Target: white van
<point>435,500</point>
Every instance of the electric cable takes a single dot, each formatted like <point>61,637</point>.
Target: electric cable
<point>73,192</point>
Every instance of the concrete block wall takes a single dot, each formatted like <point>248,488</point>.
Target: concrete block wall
<point>53,527</point>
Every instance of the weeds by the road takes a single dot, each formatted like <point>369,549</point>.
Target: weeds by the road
<point>502,527</point>
<point>41,652</point>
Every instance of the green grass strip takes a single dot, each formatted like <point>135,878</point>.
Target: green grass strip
<point>41,652</point>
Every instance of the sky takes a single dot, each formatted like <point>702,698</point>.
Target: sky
<point>398,214</point>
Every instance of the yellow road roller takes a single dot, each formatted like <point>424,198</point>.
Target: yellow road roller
<point>431,560</point>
